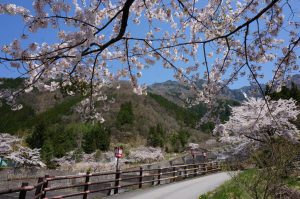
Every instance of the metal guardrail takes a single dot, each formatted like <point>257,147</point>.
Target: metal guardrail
<point>122,179</point>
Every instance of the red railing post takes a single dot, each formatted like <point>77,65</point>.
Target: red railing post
<point>174,174</point>
<point>23,192</point>
<point>45,186</point>
<point>195,170</point>
<point>153,178</point>
<point>117,181</point>
<point>185,172</point>
<point>86,186</point>
<point>39,187</point>
<point>159,175</point>
<point>141,178</point>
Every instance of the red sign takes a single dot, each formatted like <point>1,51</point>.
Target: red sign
<point>118,152</point>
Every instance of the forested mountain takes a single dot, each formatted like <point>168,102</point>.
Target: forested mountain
<point>175,92</point>
<point>49,120</point>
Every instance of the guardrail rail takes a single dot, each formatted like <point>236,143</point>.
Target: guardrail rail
<point>116,181</point>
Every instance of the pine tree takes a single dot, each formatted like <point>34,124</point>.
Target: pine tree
<point>36,139</point>
<point>97,137</point>
<point>125,115</point>
<point>157,136</point>
<point>47,152</point>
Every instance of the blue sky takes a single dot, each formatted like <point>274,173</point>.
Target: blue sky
<point>13,28</point>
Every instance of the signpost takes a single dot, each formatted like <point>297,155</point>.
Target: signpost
<point>118,154</point>
<point>193,154</point>
<point>204,155</point>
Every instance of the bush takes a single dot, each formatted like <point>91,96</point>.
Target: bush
<point>77,155</point>
<point>98,155</point>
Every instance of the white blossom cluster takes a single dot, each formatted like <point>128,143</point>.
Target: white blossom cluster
<point>98,42</point>
<point>11,148</point>
<point>256,121</point>
<point>146,154</point>
<point>87,107</point>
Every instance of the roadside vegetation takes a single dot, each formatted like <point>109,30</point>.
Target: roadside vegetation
<point>274,160</point>
<point>238,187</point>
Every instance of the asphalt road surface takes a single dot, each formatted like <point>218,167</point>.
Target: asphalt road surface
<point>188,189</point>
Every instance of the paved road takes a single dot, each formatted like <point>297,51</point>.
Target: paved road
<point>188,189</point>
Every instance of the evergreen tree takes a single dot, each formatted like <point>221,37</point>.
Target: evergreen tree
<point>47,152</point>
<point>37,138</point>
<point>183,137</point>
<point>178,140</point>
<point>157,136</point>
<point>125,115</point>
<point>97,137</point>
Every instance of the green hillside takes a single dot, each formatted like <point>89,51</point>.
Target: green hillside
<point>132,120</point>
<point>24,119</point>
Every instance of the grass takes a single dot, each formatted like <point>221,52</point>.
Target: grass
<point>293,182</point>
<point>231,189</point>
<point>236,188</point>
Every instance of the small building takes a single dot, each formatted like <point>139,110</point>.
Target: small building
<point>6,163</point>
<point>3,162</point>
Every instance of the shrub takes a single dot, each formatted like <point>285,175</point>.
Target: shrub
<point>77,155</point>
<point>98,155</point>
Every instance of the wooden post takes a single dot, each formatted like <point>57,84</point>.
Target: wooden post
<point>45,186</point>
<point>153,180</point>
<point>117,182</point>
<point>185,172</point>
<point>174,174</point>
<point>159,175</point>
<point>195,170</point>
<point>23,192</point>
<point>183,160</point>
<point>141,178</point>
<point>203,169</point>
<point>39,188</point>
<point>86,186</point>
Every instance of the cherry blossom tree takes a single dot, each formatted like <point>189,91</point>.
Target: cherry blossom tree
<point>11,148</point>
<point>266,133</point>
<point>97,43</point>
<point>255,123</point>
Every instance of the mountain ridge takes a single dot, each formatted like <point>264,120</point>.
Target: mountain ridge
<point>176,92</point>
